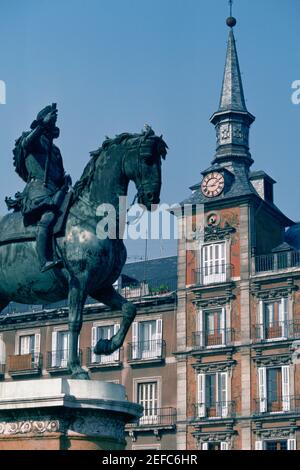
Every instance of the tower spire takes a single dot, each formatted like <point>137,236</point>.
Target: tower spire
<point>232,120</point>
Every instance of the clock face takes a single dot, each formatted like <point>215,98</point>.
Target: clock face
<point>213,184</point>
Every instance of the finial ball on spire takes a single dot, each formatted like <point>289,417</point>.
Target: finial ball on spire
<point>231,21</point>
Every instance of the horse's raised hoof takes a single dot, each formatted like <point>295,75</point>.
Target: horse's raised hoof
<point>103,346</point>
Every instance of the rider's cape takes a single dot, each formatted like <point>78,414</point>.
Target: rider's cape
<point>20,156</point>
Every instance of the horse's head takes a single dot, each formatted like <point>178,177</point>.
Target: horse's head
<point>142,164</point>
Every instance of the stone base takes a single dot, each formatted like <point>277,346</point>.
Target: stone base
<point>64,414</point>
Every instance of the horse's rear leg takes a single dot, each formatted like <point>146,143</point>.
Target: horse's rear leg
<point>77,298</point>
<point>113,299</point>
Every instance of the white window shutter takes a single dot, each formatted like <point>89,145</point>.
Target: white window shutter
<point>285,388</point>
<point>224,445</point>
<point>261,323</point>
<point>222,326</point>
<point>93,344</point>
<point>262,386</point>
<point>54,358</point>
<point>204,445</point>
<point>292,444</point>
<point>135,347</point>
<point>259,445</point>
<point>283,316</point>
<point>37,348</point>
<point>37,343</point>
<point>158,347</point>
<point>116,354</point>
<point>223,393</point>
<point>200,328</point>
<point>17,345</point>
<point>2,351</point>
<point>201,395</point>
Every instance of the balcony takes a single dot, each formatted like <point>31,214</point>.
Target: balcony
<point>146,351</point>
<point>213,339</point>
<point>98,362</point>
<point>276,262</point>
<point>287,404</point>
<point>217,410</point>
<point>214,274</point>
<point>57,361</point>
<point>156,417</point>
<point>25,364</point>
<point>277,331</point>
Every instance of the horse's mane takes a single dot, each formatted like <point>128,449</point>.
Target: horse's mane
<point>88,173</point>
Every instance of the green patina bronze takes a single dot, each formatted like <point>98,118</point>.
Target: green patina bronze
<point>89,265</point>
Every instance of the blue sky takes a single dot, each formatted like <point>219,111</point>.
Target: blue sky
<point>112,65</point>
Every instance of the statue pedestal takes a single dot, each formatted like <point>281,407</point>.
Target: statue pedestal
<point>64,414</point>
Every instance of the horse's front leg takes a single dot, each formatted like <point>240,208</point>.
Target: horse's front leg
<point>77,298</point>
<point>113,299</point>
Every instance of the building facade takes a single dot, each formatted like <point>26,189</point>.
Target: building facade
<point>34,344</point>
<point>238,298</point>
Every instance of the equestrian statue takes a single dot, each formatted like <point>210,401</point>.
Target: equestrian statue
<point>50,249</point>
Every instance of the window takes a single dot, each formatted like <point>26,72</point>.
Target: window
<point>213,263</point>
<point>274,389</point>
<point>215,445</point>
<point>147,394</point>
<point>211,328</point>
<point>273,319</point>
<point>104,332</point>
<point>147,339</point>
<point>282,444</point>
<point>29,344</point>
<point>276,445</point>
<point>60,349</point>
<point>213,395</point>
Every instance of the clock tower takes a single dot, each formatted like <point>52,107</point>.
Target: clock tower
<point>237,228</point>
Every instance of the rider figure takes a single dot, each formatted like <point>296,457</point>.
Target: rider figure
<point>39,163</point>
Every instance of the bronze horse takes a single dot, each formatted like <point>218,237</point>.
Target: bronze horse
<point>91,265</point>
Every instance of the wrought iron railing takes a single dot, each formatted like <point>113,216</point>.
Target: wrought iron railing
<point>156,417</point>
<point>277,330</point>
<point>218,409</point>
<point>211,338</point>
<point>282,404</point>
<point>213,274</point>
<point>24,362</point>
<point>95,360</point>
<point>276,261</point>
<point>153,349</point>
<point>150,288</point>
<point>58,359</point>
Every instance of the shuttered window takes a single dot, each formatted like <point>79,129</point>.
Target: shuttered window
<point>147,394</point>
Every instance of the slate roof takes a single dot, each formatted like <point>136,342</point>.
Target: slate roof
<point>232,95</point>
<point>153,271</point>
<point>292,236</point>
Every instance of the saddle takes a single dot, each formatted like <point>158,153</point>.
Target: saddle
<point>13,230</point>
